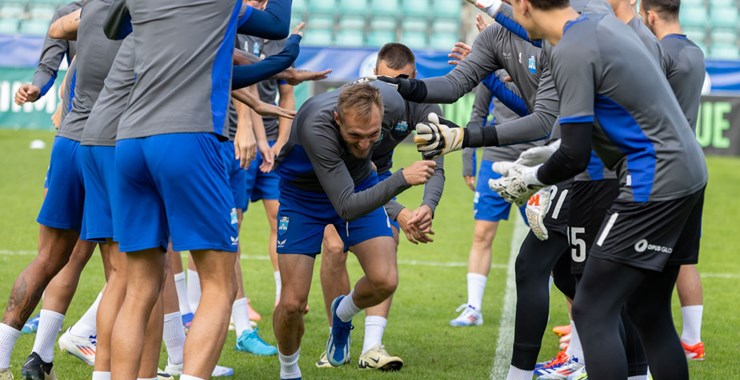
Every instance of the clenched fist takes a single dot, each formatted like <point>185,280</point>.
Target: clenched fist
<point>419,172</point>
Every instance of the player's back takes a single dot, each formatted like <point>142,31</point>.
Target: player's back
<point>641,132</point>
<point>686,74</point>
<point>95,55</point>
<point>183,66</point>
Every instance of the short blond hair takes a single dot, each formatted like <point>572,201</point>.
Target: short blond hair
<point>359,99</point>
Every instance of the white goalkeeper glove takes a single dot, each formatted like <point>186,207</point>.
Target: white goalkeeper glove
<point>537,208</point>
<point>491,7</point>
<point>518,183</point>
<point>538,155</point>
<point>438,137</point>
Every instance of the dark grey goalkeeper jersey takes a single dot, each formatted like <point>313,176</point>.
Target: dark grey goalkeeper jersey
<point>686,73</point>
<point>383,155</point>
<point>102,124</point>
<point>603,73</point>
<point>316,160</point>
<point>95,55</point>
<point>268,89</point>
<point>497,48</point>
<point>183,67</point>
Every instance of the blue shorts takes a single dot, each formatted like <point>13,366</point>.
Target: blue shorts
<point>98,166</point>
<point>382,177</point>
<point>173,186</point>
<point>261,186</point>
<point>304,215</point>
<point>487,204</point>
<point>237,176</point>
<point>63,206</point>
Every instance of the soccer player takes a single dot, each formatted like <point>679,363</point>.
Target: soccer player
<point>394,60</point>
<point>171,178</point>
<point>662,179</point>
<point>262,184</point>
<point>686,79</point>
<point>488,207</point>
<point>327,178</point>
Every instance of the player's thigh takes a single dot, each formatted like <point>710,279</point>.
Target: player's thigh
<point>64,202</point>
<point>488,206</point>
<point>370,238</point>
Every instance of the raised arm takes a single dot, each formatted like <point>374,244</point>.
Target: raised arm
<point>247,75</point>
<point>273,23</point>
<point>65,28</point>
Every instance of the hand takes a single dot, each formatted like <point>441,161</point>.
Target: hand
<point>56,118</point>
<point>27,93</point>
<point>267,109</point>
<point>518,184</point>
<point>536,210</point>
<point>491,7</point>
<point>295,77</point>
<point>480,23</point>
<point>470,181</point>
<point>537,155</point>
<point>459,53</point>
<point>299,29</point>
<point>419,172</point>
<point>422,218</point>
<point>268,157</point>
<point>245,146</point>
<point>438,137</point>
<point>276,148</point>
<point>412,232</point>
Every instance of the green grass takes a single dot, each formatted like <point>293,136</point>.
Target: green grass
<point>427,296</point>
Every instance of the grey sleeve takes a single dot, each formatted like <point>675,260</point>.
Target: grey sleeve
<point>573,73</point>
<point>538,124</point>
<point>468,73</point>
<point>51,57</point>
<point>337,182</point>
<point>481,105</point>
<point>435,186</point>
<point>393,208</point>
<point>468,166</point>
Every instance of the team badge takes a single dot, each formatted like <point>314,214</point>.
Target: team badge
<point>283,224</point>
<point>401,130</point>
<point>532,65</point>
<point>256,48</point>
<point>234,218</point>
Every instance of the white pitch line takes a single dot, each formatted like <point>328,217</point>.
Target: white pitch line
<point>505,341</point>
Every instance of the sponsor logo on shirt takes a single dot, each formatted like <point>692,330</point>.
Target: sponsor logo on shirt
<point>643,245</point>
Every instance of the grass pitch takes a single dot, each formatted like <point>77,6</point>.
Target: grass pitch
<point>432,281</point>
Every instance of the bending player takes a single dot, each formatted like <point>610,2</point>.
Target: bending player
<point>327,178</point>
<point>394,60</point>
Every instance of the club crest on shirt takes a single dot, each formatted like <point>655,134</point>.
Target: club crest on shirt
<point>532,65</point>
<point>234,217</point>
<point>256,48</point>
<point>400,130</point>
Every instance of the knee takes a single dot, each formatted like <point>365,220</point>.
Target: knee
<point>334,252</point>
<point>48,265</point>
<point>293,307</point>
<point>385,286</point>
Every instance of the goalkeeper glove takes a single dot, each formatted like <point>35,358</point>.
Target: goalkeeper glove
<point>538,155</point>
<point>410,89</point>
<point>537,208</point>
<point>518,183</point>
<point>438,137</point>
<point>491,7</point>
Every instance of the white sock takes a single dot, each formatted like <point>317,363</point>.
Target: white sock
<point>519,374</point>
<point>347,308</point>
<point>182,293</point>
<point>278,285</point>
<point>575,350</point>
<point>173,336</point>
<point>374,329</point>
<point>99,375</point>
<point>289,365</point>
<point>640,377</point>
<point>193,289</point>
<point>476,287</point>
<point>87,325</point>
<point>188,377</point>
<point>146,378</point>
<point>8,336</point>
<point>692,315</point>
<point>49,324</point>
<point>240,315</point>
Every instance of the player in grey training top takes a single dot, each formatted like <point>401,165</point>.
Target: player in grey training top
<point>602,72</point>
<point>686,78</point>
<point>52,53</point>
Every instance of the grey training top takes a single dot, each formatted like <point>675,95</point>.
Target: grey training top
<point>316,159</point>
<point>95,55</point>
<point>686,73</point>
<point>268,89</point>
<point>383,155</point>
<point>69,88</point>
<point>102,124</point>
<point>484,100</point>
<point>497,48</point>
<point>54,51</point>
<point>604,73</point>
<point>183,67</point>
